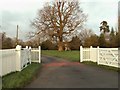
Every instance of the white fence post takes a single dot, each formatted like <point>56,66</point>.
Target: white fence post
<point>91,53</point>
<point>30,54</point>
<point>81,54</point>
<point>98,55</point>
<point>39,54</point>
<point>26,47</point>
<point>18,58</point>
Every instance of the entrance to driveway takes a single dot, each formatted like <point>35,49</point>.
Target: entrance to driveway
<point>60,73</point>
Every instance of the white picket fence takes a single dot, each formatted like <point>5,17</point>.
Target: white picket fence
<point>8,61</point>
<point>36,54</point>
<point>103,56</point>
<point>16,59</point>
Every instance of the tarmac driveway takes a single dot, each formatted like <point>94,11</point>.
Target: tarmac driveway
<point>59,73</point>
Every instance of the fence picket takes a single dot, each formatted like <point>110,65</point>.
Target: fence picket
<point>16,59</point>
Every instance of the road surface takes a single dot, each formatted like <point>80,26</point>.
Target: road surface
<point>60,73</point>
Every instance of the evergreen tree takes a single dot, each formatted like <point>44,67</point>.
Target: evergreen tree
<point>118,39</point>
<point>75,43</point>
<point>112,40</point>
<point>104,27</point>
<point>102,41</point>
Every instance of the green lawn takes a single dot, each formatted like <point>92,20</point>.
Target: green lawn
<point>20,79</point>
<point>75,56</point>
<point>69,55</point>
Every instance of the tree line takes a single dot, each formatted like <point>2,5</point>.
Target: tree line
<point>85,38</point>
<point>64,29</point>
<point>63,23</point>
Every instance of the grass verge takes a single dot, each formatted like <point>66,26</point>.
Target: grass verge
<point>20,79</point>
<point>75,56</point>
<point>101,66</point>
<point>69,55</point>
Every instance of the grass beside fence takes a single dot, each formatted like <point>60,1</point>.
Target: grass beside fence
<point>101,66</point>
<point>69,55</point>
<point>75,56</point>
<point>20,79</point>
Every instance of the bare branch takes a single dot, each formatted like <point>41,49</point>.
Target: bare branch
<point>60,18</point>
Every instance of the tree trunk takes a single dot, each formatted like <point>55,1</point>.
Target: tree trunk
<point>60,43</point>
<point>60,46</point>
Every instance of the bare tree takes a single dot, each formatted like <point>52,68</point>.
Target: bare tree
<point>84,34</point>
<point>58,19</point>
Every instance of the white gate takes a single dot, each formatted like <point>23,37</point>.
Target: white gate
<point>36,54</point>
<point>109,56</point>
<point>103,56</point>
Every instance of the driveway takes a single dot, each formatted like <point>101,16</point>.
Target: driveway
<point>60,73</point>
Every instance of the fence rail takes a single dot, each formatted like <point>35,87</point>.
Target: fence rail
<point>16,59</point>
<point>103,56</point>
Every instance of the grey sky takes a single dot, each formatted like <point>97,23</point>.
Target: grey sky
<point>99,11</point>
<point>21,12</point>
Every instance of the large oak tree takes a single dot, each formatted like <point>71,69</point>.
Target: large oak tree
<point>59,19</point>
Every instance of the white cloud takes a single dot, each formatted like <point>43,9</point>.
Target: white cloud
<point>22,11</point>
<point>99,11</point>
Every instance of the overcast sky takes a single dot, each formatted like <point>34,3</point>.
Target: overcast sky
<point>21,12</point>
